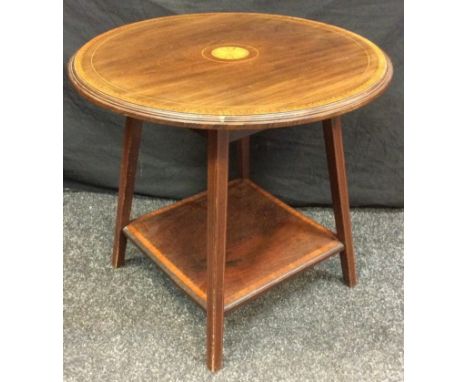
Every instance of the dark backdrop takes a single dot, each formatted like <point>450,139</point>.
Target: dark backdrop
<point>288,162</point>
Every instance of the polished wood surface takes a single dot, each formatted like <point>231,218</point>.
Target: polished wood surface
<point>228,76</point>
<point>339,190</point>
<point>230,70</point>
<point>217,202</point>
<point>128,169</point>
<point>267,242</point>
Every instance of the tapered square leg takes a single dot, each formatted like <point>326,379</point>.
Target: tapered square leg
<point>339,190</point>
<point>243,157</point>
<point>218,170</point>
<point>128,169</point>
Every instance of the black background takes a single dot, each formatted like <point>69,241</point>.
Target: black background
<point>288,162</point>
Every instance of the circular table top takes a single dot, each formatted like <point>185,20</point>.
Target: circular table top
<point>230,70</point>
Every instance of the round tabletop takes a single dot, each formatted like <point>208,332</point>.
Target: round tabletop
<point>230,70</point>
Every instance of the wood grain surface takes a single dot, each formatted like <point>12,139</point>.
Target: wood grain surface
<point>230,70</point>
<point>217,202</point>
<point>267,242</point>
<point>333,135</point>
<point>128,170</point>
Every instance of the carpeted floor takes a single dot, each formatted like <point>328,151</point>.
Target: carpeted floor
<point>133,324</point>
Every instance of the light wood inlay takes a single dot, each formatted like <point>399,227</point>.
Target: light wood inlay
<point>296,70</point>
<point>230,53</point>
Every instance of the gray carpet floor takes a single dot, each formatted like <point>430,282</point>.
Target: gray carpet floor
<point>134,324</point>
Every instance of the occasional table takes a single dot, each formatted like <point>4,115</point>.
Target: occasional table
<point>228,76</point>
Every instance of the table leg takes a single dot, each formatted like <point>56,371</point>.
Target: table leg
<point>128,169</point>
<point>243,157</point>
<point>218,171</point>
<point>339,190</point>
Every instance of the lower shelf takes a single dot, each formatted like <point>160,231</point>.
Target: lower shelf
<point>267,241</point>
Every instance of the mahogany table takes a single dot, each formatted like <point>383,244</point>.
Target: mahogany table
<point>230,75</point>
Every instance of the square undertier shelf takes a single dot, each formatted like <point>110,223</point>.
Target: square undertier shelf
<point>267,241</point>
